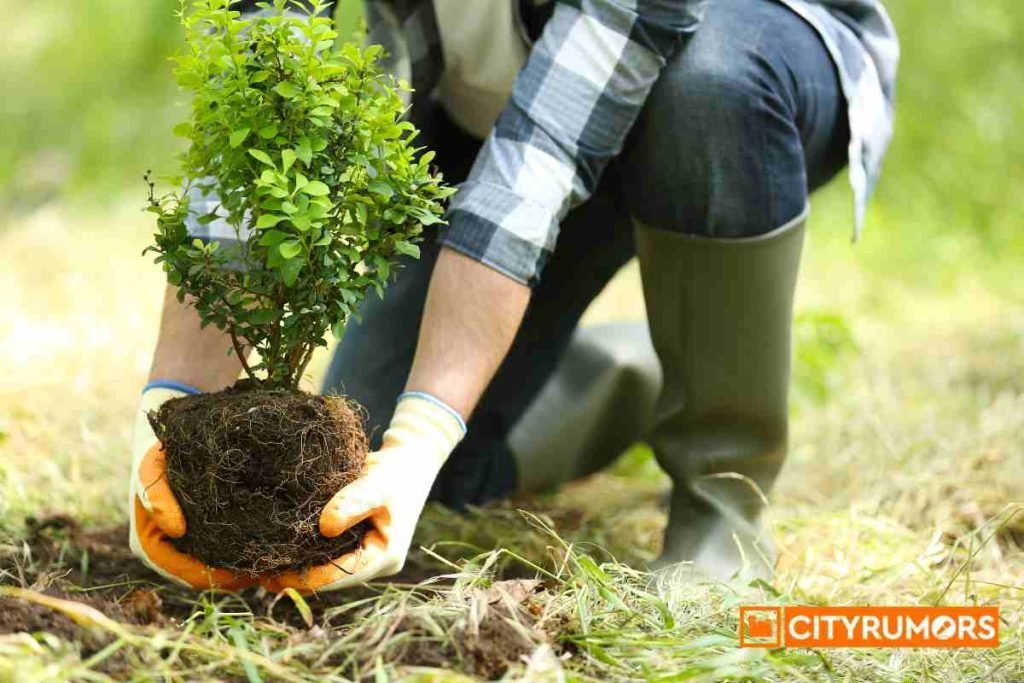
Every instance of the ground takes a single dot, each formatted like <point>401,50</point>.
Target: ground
<point>905,485</point>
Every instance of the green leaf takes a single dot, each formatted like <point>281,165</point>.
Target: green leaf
<point>260,155</point>
<point>267,132</point>
<point>259,77</point>
<point>273,237</point>
<point>382,188</point>
<point>304,152</point>
<point>407,248</point>
<point>262,316</point>
<point>287,159</point>
<point>290,248</point>
<point>315,188</point>
<point>268,220</point>
<point>287,90</point>
<point>183,129</point>
<point>424,216</point>
<point>238,137</point>
<point>290,270</point>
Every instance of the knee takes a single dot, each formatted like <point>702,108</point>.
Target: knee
<point>712,140</point>
<point>622,357</point>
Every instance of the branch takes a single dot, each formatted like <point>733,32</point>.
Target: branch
<point>302,366</point>
<point>240,352</point>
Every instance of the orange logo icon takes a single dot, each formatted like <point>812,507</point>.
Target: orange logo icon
<point>760,626</point>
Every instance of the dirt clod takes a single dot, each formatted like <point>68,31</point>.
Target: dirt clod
<point>18,616</point>
<point>253,468</point>
<point>503,628</point>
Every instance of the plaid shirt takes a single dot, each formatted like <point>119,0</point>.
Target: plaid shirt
<point>579,93</point>
<point>577,97</point>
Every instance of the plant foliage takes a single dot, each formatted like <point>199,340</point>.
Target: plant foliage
<point>314,169</point>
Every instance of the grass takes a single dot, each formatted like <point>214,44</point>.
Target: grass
<point>904,486</point>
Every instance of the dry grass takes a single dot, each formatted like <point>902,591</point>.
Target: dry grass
<point>905,485</point>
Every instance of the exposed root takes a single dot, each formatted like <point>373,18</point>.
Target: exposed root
<point>253,468</point>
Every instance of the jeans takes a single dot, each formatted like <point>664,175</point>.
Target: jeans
<point>745,121</point>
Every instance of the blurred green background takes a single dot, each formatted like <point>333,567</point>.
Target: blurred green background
<point>89,102</point>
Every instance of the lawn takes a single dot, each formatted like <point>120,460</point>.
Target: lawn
<point>905,483</point>
<point>906,461</point>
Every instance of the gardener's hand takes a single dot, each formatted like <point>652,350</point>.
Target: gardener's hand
<point>390,494</point>
<point>156,516</point>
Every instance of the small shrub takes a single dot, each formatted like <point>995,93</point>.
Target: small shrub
<point>315,172</point>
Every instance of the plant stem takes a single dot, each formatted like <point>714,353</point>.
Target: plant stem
<point>308,356</point>
<point>240,352</point>
<point>275,336</point>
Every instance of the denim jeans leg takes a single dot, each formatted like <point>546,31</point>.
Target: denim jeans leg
<point>744,122</point>
<point>373,359</point>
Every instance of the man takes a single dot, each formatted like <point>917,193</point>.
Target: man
<point>687,132</point>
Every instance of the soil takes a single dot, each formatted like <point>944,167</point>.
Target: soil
<point>505,621</point>
<point>96,567</point>
<point>253,468</point>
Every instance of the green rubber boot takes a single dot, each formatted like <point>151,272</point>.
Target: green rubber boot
<point>720,312</point>
<point>598,402</point>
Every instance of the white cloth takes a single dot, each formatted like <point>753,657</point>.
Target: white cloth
<point>483,52</point>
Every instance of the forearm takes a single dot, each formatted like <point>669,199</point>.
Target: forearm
<point>189,354</point>
<point>471,317</point>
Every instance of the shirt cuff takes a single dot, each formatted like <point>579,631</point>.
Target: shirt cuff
<point>171,384</point>
<point>497,233</point>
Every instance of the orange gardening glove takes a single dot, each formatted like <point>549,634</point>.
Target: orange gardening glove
<point>390,494</point>
<point>156,516</point>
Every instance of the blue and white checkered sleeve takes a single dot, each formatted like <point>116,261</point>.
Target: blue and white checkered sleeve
<point>571,107</point>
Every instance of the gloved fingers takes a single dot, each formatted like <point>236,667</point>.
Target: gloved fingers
<point>365,498</point>
<point>152,546</point>
<point>348,570</point>
<point>137,549</point>
<point>154,492</point>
